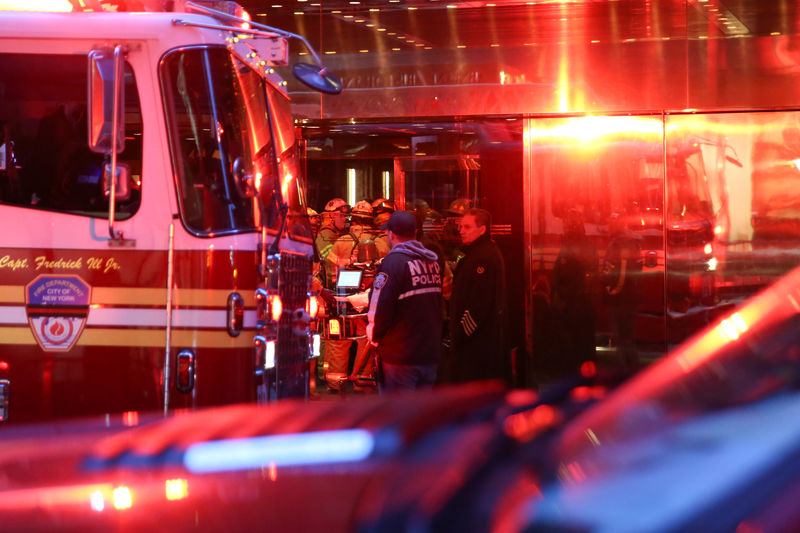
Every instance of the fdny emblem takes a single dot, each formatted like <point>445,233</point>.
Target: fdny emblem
<point>57,307</point>
<point>480,270</point>
<point>380,281</point>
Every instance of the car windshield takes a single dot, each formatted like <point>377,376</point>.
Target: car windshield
<point>748,357</point>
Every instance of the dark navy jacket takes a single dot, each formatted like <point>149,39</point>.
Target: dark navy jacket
<point>405,309</point>
<point>477,312</point>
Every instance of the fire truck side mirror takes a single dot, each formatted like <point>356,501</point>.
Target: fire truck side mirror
<point>245,183</point>
<point>122,189</point>
<point>106,81</point>
<point>318,78</point>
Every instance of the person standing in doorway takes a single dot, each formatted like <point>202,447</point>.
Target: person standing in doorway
<point>478,303</point>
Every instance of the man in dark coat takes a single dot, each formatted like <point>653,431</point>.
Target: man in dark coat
<point>404,315</point>
<point>478,303</point>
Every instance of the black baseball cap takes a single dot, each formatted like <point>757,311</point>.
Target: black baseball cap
<point>401,223</point>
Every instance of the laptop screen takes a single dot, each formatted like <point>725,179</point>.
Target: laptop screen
<point>349,279</point>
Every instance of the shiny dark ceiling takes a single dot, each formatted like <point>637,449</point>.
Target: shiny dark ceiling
<point>387,26</point>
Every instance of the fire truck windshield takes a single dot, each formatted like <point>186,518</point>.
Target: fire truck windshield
<point>218,120</point>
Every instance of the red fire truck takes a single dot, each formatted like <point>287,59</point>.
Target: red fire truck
<point>190,287</point>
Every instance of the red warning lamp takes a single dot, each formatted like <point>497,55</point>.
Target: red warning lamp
<point>312,307</point>
<point>275,307</point>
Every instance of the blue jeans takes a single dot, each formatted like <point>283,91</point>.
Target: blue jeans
<point>408,377</point>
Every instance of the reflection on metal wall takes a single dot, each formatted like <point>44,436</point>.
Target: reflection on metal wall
<point>595,197</point>
<point>710,204</point>
<point>651,75</point>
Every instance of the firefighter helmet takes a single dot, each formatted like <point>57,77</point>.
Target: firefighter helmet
<point>383,205</point>
<point>459,206</point>
<point>362,209</point>
<point>337,204</point>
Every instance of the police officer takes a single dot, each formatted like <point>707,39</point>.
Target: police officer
<point>405,317</point>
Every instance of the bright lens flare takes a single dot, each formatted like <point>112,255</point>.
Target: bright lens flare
<point>122,498</point>
<point>287,180</point>
<point>41,5</point>
<point>176,489</point>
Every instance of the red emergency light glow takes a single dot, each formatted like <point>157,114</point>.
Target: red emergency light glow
<point>312,307</point>
<point>176,489</point>
<point>246,16</point>
<point>122,498</point>
<point>287,180</point>
<point>588,369</point>
<point>276,307</point>
<point>130,418</point>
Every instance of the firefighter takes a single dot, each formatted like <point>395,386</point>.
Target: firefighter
<point>334,221</point>
<point>314,220</point>
<point>357,248</point>
<point>382,209</point>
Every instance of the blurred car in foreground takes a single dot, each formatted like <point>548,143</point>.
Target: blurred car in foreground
<point>705,440</point>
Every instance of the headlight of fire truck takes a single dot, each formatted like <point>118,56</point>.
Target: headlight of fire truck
<point>269,309</point>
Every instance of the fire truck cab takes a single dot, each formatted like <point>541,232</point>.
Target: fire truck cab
<point>190,288</point>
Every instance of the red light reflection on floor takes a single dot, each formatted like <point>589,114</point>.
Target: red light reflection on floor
<point>130,418</point>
